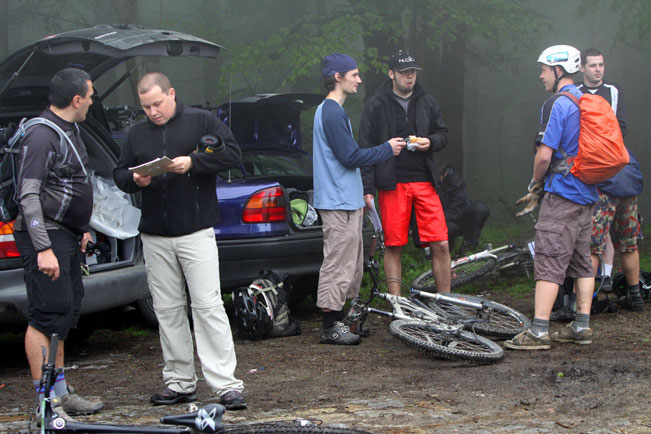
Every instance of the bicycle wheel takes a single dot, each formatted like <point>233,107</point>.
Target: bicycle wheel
<point>494,319</point>
<point>461,274</point>
<point>459,345</point>
<point>284,427</point>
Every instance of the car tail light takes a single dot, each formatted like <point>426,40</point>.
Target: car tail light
<point>265,206</point>
<point>7,243</point>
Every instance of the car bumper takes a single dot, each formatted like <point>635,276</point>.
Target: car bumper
<point>297,255</point>
<point>14,305</point>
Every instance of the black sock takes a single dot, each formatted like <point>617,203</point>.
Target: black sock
<point>330,318</point>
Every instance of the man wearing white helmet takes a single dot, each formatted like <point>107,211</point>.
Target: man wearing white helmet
<point>565,219</point>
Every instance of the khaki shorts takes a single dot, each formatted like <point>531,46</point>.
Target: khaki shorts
<point>562,240</point>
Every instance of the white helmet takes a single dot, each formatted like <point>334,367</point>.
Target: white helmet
<point>562,55</point>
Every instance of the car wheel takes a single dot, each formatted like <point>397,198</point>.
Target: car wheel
<point>146,309</point>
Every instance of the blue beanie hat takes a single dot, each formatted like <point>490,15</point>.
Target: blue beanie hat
<point>337,62</point>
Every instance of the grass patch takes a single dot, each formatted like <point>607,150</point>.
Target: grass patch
<point>137,331</point>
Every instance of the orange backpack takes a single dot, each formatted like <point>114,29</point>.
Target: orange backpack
<point>602,152</point>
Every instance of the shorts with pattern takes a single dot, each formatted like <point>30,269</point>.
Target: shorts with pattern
<point>562,240</point>
<point>617,215</point>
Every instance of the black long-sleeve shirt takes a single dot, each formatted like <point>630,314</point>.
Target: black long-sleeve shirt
<point>174,204</point>
<point>53,190</point>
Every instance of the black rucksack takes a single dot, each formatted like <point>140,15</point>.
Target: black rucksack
<point>11,138</point>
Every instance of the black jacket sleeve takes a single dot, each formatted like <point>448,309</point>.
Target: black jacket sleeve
<point>367,137</point>
<point>229,158</point>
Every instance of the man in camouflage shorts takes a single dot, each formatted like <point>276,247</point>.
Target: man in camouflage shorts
<point>619,217</point>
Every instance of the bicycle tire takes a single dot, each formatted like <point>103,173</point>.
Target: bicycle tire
<point>461,274</point>
<point>459,345</point>
<point>283,427</point>
<point>502,321</point>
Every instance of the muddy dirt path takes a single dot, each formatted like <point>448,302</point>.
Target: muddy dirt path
<point>380,385</point>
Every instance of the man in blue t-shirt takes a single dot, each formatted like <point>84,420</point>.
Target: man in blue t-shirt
<point>339,196</point>
<point>565,219</point>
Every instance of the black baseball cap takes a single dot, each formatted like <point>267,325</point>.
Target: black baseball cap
<point>402,60</point>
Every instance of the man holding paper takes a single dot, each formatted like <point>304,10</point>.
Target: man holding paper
<point>179,210</point>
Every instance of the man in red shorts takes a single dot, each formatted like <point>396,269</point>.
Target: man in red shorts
<point>407,183</point>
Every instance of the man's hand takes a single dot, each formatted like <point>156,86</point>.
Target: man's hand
<point>85,239</point>
<point>397,143</point>
<point>423,144</point>
<point>368,200</point>
<point>532,199</point>
<point>179,165</point>
<point>141,180</point>
<point>48,263</point>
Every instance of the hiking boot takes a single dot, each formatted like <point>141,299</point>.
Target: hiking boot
<point>172,397</point>
<point>569,334</point>
<point>77,406</point>
<point>528,341</point>
<point>338,334</point>
<point>632,302</point>
<point>56,408</point>
<point>233,400</point>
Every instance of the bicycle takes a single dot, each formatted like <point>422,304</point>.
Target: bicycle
<point>469,268</point>
<point>427,329</point>
<point>205,420</point>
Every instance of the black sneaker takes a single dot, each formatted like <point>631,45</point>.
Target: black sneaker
<point>338,334</point>
<point>233,400</point>
<point>172,397</point>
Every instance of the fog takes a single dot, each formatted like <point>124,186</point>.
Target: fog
<point>479,60</point>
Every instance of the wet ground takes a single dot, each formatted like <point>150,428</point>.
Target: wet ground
<point>381,385</point>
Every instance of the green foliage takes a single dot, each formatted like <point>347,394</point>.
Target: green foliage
<point>137,331</point>
<point>291,55</point>
<point>634,23</point>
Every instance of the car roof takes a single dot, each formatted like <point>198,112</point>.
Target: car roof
<point>96,50</point>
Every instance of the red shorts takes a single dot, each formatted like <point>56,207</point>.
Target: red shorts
<point>396,210</point>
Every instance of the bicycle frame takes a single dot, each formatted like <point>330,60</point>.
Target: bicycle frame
<point>205,420</point>
<point>360,308</point>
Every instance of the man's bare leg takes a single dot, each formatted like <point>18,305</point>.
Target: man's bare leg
<point>441,265</point>
<point>393,269</point>
<point>34,342</point>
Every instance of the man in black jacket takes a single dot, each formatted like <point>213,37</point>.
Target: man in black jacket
<point>402,108</point>
<point>179,210</point>
<point>56,202</point>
